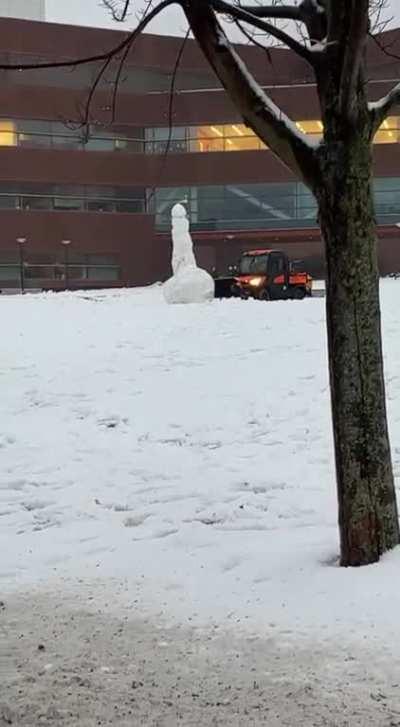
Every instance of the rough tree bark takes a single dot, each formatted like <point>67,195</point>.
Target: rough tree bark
<point>368,520</point>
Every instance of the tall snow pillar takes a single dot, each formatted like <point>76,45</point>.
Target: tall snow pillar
<point>189,284</point>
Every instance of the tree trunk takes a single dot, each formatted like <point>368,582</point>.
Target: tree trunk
<point>368,519</point>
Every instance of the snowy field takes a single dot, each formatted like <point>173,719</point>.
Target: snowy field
<point>180,460</point>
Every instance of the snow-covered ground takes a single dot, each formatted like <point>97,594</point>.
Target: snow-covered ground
<point>180,459</point>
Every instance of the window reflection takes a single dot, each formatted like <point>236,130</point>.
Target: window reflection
<point>238,137</point>
<point>31,133</point>
<point>49,266</point>
<point>261,206</point>
<point>7,133</point>
<point>36,196</point>
<point>389,131</point>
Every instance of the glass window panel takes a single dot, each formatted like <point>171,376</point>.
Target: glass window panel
<point>172,194</point>
<point>68,203</point>
<point>8,201</point>
<point>217,190</point>
<point>103,273</point>
<point>306,204</point>
<point>207,138</point>
<point>242,143</point>
<point>77,272</point>
<point>100,144</point>
<point>75,257</point>
<point>34,140</point>
<point>125,192</point>
<point>130,205</point>
<point>101,205</point>
<point>59,128</point>
<point>131,145</point>
<point>388,132</point>
<point>9,272</point>
<point>41,271</point>
<point>9,256</point>
<point>211,144</point>
<point>65,190</point>
<point>163,133</point>
<point>35,126</point>
<point>165,138</point>
<point>310,127</point>
<point>387,195</point>
<point>8,136</point>
<point>101,259</point>
<point>66,141</point>
<point>237,130</point>
<point>37,203</point>
<point>42,258</point>
<point>387,184</point>
<point>211,208</point>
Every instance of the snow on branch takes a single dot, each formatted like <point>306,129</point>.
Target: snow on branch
<point>311,13</point>
<point>381,109</point>
<point>238,13</point>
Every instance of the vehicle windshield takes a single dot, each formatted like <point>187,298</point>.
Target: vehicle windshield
<point>253,264</point>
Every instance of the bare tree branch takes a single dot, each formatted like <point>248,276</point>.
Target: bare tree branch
<point>170,113</point>
<point>258,111</point>
<point>114,52</point>
<point>118,15</point>
<point>311,13</point>
<point>280,12</point>
<point>251,38</point>
<point>242,15</point>
<point>123,59</point>
<point>381,109</point>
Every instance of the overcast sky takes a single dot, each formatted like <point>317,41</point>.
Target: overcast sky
<point>89,12</point>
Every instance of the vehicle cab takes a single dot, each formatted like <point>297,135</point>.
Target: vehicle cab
<point>268,275</point>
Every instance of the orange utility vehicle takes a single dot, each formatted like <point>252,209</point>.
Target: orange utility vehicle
<point>268,275</point>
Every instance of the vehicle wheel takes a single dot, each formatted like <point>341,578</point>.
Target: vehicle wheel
<point>299,294</point>
<point>264,295</point>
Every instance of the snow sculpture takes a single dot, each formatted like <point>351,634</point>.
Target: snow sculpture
<point>189,284</point>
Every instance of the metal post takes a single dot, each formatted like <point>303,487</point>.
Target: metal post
<point>21,242</point>
<point>66,244</point>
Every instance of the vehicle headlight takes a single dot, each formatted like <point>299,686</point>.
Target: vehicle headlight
<point>255,282</point>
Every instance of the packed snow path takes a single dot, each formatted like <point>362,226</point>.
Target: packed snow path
<point>181,459</point>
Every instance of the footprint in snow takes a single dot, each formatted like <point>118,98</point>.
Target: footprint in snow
<point>135,521</point>
<point>112,422</point>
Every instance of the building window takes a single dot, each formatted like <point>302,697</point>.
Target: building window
<point>102,267</point>
<point>163,139</point>
<point>40,133</point>
<point>230,137</point>
<point>50,266</point>
<point>259,206</point>
<point>234,206</point>
<point>8,136</point>
<point>70,198</point>
<point>9,266</point>
<point>388,133</point>
<point>238,137</point>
